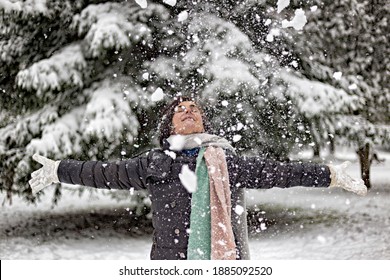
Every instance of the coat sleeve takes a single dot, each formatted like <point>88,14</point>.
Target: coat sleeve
<point>261,173</point>
<point>104,175</point>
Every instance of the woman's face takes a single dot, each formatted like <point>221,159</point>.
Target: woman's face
<point>187,119</point>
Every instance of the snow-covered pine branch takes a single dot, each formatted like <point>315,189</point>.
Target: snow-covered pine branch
<point>109,113</point>
<point>24,128</point>
<point>115,26</point>
<point>64,69</point>
<point>26,8</point>
<point>60,138</point>
<point>316,99</point>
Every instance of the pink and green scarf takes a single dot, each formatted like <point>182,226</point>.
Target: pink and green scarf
<point>211,233</point>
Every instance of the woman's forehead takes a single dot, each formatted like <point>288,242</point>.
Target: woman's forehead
<point>187,103</point>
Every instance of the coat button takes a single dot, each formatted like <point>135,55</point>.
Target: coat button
<point>177,231</point>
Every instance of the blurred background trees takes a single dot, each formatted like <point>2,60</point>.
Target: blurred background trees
<point>77,78</point>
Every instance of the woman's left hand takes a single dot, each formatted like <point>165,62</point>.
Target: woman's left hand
<point>340,179</point>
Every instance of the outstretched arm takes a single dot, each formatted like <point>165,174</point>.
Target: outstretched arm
<point>256,172</point>
<point>108,175</point>
<point>44,176</point>
<point>340,179</point>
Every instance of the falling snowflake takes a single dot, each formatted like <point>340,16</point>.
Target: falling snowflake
<point>298,22</point>
<point>239,209</point>
<point>188,178</point>
<point>182,16</point>
<point>145,76</point>
<point>170,2</point>
<point>282,4</point>
<point>337,75</point>
<point>158,95</point>
<point>237,138</point>
<point>176,142</point>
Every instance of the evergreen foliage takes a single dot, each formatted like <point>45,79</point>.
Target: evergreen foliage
<point>77,78</point>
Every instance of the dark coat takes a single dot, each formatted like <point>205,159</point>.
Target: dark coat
<point>171,202</point>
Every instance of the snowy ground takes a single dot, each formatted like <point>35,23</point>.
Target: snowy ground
<point>297,223</point>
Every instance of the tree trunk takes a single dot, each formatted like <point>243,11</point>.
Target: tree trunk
<point>365,164</point>
<point>316,150</point>
<point>332,147</point>
<point>315,134</point>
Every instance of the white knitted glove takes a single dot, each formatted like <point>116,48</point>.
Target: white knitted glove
<point>44,176</point>
<point>340,179</point>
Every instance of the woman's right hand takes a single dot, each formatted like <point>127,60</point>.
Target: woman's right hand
<point>44,176</point>
<point>340,179</point>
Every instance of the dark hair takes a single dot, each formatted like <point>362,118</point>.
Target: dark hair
<point>165,126</point>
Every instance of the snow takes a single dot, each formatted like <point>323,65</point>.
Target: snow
<point>107,26</point>
<point>269,38</point>
<point>239,209</point>
<point>157,95</point>
<point>352,87</point>
<point>170,2</point>
<point>282,4</point>
<point>335,229</point>
<point>267,22</point>
<point>65,67</point>
<point>298,22</point>
<point>176,142</point>
<point>271,35</point>
<point>58,137</point>
<point>29,7</point>
<point>182,16</point>
<point>142,3</point>
<point>337,75</point>
<point>170,153</point>
<point>145,76</point>
<point>237,137</point>
<point>317,99</point>
<point>188,178</point>
<point>230,64</point>
<point>107,113</point>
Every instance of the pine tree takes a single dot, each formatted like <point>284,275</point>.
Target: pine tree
<point>79,80</point>
<point>345,45</point>
<point>218,62</point>
<point>72,84</point>
<point>341,55</point>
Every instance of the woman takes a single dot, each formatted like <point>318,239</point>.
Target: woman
<point>201,220</point>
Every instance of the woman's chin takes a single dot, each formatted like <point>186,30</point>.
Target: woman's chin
<point>190,130</point>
